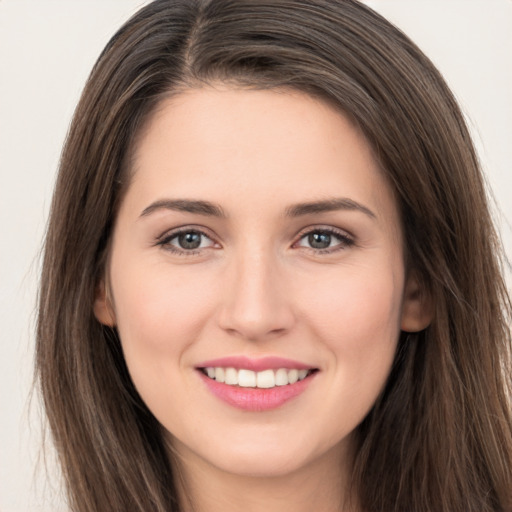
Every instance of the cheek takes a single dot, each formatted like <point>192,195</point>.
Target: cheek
<point>358,321</point>
<point>356,304</point>
<point>159,314</point>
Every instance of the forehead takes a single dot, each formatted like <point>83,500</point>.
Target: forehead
<point>266,147</point>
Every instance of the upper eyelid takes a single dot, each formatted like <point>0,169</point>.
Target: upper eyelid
<point>171,233</point>
<point>329,229</point>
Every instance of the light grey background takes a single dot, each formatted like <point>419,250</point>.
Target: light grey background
<point>47,48</point>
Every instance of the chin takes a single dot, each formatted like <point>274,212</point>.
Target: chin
<point>264,464</point>
<point>260,456</point>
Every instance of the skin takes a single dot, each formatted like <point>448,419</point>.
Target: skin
<point>257,288</point>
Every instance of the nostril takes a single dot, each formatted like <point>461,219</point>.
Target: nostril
<point>250,326</point>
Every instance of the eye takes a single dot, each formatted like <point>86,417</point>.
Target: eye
<point>186,241</point>
<point>325,240</point>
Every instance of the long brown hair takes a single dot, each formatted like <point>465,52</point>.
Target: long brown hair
<point>439,437</point>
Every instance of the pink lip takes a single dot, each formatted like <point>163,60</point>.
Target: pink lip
<point>256,399</point>
<point>256,365</point>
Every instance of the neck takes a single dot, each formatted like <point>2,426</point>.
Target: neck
<point>322,484</point>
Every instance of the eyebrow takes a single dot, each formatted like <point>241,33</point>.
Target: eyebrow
<point>185,205</point>
<point>206,208</point>
<point>328,205</point>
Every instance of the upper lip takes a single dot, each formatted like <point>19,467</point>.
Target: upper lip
<point>254,364</point>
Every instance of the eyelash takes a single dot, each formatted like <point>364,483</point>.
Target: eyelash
<point>345,241</point>
<point>165,241</point>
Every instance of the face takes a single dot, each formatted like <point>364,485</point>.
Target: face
<point>257,278</point>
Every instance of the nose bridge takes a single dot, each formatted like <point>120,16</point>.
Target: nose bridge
<point>255,304</point>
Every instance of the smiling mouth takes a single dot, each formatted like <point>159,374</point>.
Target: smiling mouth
<point>265,379</point>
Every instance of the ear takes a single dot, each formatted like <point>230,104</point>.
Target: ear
<point>103,310</point>
<point>417,308</point>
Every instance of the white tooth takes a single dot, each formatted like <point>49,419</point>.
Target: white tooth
<point>303,374</point>
<point>246,378</point>
<point>220,374</point>
<point>210,372</point>
<point>231,376</point>
<point>281,377</point>
<point>265,379</point>
<point>293,376</point>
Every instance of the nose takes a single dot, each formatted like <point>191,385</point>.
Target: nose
<point>255,305</point>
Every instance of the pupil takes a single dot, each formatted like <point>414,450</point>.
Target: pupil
<point>319,240</point>
<point>189,240</point>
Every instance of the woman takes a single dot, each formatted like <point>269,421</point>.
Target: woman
<point>271,278</point>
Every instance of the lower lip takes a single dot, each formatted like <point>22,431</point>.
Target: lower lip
<point>256,399</point>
